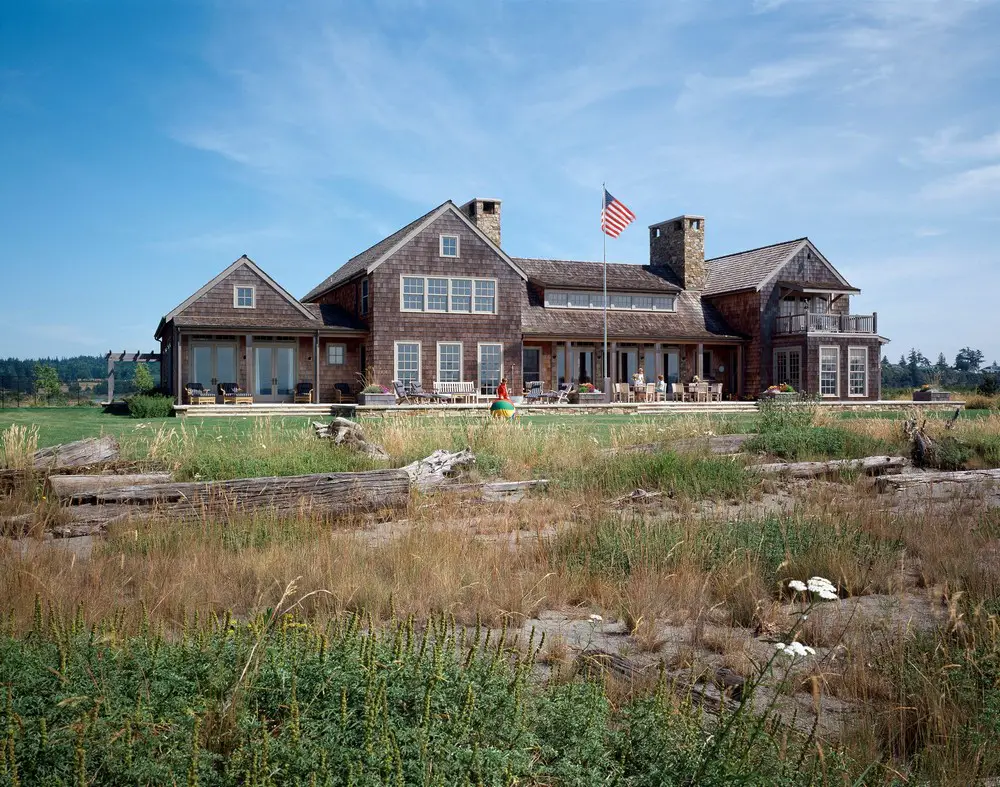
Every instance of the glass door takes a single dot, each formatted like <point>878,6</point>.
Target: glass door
<point>284,372</point>
<point>274,372</point>
<point>263,373</point>
<point>213,363</point>
<point>628,364</point>
<point>532,362</point>
<point>202,370</point>
<point>672,366</point>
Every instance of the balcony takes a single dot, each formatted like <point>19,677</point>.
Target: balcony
<point>827,323</point>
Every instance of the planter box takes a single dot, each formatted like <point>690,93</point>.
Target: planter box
<point>932,396</point>
<point>377,399</point>
<point>591,398</point>
<point>781,396</point>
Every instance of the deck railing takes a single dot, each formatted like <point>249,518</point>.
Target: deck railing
<point>827,323</point>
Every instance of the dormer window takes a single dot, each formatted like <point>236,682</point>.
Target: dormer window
<point>243,297</point>
<point>449,245</point>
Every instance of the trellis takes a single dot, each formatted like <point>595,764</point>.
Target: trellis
<point>125,356</point>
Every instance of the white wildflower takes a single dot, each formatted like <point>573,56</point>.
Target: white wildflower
<point>797,584</point>
<point>795,650</point>
<point>596,619</point>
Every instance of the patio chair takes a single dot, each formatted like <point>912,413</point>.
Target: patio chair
<point>402,395</point>
<point>342,393</point>
<point>418,390</point>
<point>196,394</point>
<point>715,392</point>
<point>232,394</point>
<point>562,395</point>
<point>677,392</point>
<point>701,392</point>
<point>649,394</point>
<point>303,393</point>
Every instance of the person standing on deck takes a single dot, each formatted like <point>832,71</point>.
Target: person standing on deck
<point>502,390</point>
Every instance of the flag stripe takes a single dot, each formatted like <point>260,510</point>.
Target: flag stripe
<point>615,217</point>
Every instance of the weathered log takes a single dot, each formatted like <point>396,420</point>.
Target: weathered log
<point>83,452</point>
<point>871,465</point>
<point>349,433</point>
<point>438,468</point>
<point>78,488</point>
<point>320,493</point>
<point>511,491</point>
<point>943,485</point>
<point>9,479</point>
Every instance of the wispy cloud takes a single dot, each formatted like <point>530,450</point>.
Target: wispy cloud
<point>968,185</point>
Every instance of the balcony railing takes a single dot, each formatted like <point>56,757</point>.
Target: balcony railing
<point>827,323</point>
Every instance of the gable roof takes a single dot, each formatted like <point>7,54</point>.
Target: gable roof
<point>241,262</point>
<point>373,256</point>
<point>753,269</point>
<point>590,275</point>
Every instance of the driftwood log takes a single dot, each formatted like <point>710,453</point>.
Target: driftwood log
<point>81,488</point>
<point>438,468</point>
<point>91,451</point>
<point>943,485</point>
<point>871,465</point>
<point>349,433</point>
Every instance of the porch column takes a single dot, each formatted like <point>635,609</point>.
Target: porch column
<point>613,368</point>
<point>739,371</point>
<point>316,367</point>
<point>251,387</point>
<point>658,362</point>
<point>699,361</point>
<point>570,365</point>
<point>175,350</point>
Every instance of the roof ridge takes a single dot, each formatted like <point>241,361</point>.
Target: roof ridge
<point>584,262</point>
<point>758,248</point>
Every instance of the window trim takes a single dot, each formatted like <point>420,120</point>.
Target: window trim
<point>836,348</point>
<point>236,296</point>
<point>479,364</point>
<point>458,246</point>
<point>329,347</point>
<point>365,294</point>
<point>630,294</point>
<point>427,294</point>
<point>451,295</point>
<point>863,394</point>
<point>395,359</point>
<point>461,360</point>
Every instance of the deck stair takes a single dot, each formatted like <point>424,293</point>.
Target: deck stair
<point>277,409</point>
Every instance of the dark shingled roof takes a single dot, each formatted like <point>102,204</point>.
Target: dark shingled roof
<point>330,317</point>
<point>746,269</point>
<point>694,319</point>
<point>829,286</point>
<point>590,275</point>
<point>360,262</point>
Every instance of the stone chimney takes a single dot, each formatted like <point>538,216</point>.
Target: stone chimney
<point>485,214</point>
<point>679,244</point>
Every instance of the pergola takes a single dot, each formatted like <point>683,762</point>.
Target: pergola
<point>125,356</point>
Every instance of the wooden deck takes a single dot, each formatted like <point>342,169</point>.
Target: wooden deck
<point>482,409</point>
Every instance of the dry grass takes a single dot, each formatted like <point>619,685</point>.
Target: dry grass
<point>17,444</point>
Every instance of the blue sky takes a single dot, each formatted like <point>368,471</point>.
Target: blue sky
<point>145,146</point>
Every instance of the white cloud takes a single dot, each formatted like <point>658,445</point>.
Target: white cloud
<point>950,145</point>
<point>971,184</point>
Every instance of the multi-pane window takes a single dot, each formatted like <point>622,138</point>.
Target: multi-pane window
<point>413,293</point>
<point>364,296</point>
<point>449,362</point>
<point>243,297</point>
<point>490,363</point>
<point>408,362</point>
<point>336,354</point>
<point>857,380</point>
<point>440,294</point>
<point>437,295</point>
<point>449,245</point>
<point>788,367</point>
<point>461,295</point>
<point>486,290</point>
<point>829,370</point>
<point>577,299</point>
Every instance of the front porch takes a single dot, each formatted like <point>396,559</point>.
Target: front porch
<point>557,361</point>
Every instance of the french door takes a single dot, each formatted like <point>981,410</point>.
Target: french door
<point>213,363</point>
<point>274,372</point>
<point>531,364</point>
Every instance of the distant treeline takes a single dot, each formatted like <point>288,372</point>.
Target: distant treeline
<point>20,374</point>
<point>915,369</point>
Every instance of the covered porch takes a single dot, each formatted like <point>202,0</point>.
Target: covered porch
<point>555,361</point>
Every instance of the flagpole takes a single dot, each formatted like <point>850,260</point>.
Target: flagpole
<point>604,235</point>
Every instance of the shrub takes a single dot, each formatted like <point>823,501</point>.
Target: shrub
<point>150,406</point>
<point>990,386</point>
<point>980,402</point>
<point>815,441</point>
<point>776,416</point>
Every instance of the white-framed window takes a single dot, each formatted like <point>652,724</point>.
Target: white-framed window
<point>857,371</point>
<point>364,296</point>
<point>437,295</point>
<point>243,297</point>
<point>624,301</point>
<point>486,296</point>
<point>788,367</point>
<point>413,294</point>
<point>829,371</point>
<point>461,295</point>
<point>490,366</point>
<point>449,245</point>
<point>336,354</point>
<point>449,362</point>
<point>440,294</point>
<point>407,362</point>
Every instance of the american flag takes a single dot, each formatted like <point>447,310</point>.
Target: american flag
<point>615,217</point>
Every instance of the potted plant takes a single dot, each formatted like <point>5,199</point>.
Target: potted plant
<point>375,394</point>
<point>780,391</point>
<point>928,393</point>
<point>587,393</point>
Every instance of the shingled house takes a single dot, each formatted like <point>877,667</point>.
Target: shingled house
<point>440,300</point>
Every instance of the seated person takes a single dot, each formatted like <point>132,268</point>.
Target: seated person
<point>661,386</point>
<point>639,378</point>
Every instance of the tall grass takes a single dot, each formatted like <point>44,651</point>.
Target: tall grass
<point>17,444</point>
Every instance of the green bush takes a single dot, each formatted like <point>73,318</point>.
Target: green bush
<point>815,442</point>
<point>150,406</point>
<point>990,386</point>
<point>774,415</point>
<point>980,402</point>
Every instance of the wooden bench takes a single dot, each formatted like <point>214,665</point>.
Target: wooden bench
<point>466,391</point>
